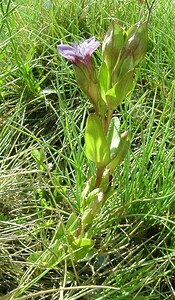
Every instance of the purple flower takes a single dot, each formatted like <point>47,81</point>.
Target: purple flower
<point>79,52</point>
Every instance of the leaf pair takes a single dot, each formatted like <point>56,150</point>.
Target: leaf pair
<point>104,150</point>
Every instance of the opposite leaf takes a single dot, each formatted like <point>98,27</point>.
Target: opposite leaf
<point>122,67</point>
<point>104,79</point>
<point>118,92</point>
<point>82,247</point>
<point>72,223</point>
<point>93,208</point>
<point>96,145</point>
<point>121,152</point>
<point>113,136</point>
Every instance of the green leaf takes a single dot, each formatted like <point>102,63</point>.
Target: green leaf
<point>91,196</point>
<point>84,242</point>
<point>104,85</point>
<point>121,153</point>
<point>59,231</point>
<point>83,246</point>
<point>123,66</point>
<point>42,259</point>
<point>118,92</point>
<point>87,217</point>
<point>72,222</point>
<point>39,157</point>
<point>96,145</point>
<point>104,79</point>
<point>94,207</point>
<point>105,181</point>
<point>35,256</point>
<point>113,136</point>
<point>88,188</point>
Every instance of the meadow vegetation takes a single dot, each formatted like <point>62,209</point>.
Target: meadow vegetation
<point>43,166</point>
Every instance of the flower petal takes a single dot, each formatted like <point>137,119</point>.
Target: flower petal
<point>79,52</point>
<point>89,46</point>
<point>67,51</point>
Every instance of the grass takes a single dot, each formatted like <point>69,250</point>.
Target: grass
<point>44,168</point>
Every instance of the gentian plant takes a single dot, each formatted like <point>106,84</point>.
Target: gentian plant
<point>105,145</point>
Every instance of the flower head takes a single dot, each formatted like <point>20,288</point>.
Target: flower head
<point>79,52</point>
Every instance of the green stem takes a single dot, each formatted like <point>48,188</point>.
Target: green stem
<point>81,234</point>
<point>99,177</point>
<point>100,170</point>
<point>107,121</point>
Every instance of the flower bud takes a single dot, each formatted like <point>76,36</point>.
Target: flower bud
<point>137,41</point>
<point>112,45</point>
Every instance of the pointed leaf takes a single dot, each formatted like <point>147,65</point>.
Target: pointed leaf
<point>39,157</point>
<point>104,79</point>
<point>123,66</point>
<point>96,145</point>
<point>121,153</point>
<point>59,231</point>
<point>113,136</point>
<point>94,207</point>
<point>115,95</point>
<point>83,246</point>
<point>72,222</point>
<point>90,197</point>
<point>35,256</point>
